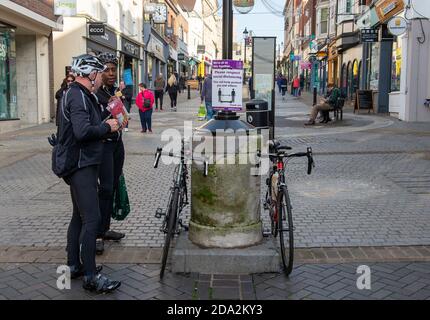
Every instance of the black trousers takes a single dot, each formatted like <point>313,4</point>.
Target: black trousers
<point>83,228</point>
<point>159,94</point>
<point>173,99</point>
<point>109,173</point>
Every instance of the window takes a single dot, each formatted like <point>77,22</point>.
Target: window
<point>323,21</point>
<point>8,87</point>
<point>396,67</point>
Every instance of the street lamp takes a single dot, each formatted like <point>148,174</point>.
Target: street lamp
<point>245,37</point>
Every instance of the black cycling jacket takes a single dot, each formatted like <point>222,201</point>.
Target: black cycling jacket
<point>81,129</point>
<point>103,95</point>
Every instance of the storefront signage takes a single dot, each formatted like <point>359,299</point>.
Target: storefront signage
<point>369,35</point>
<point>386,9</point>
<point>181,57</point>
<point>368,19</point>
<point>173,54</point>
<point>65,8</point>
<point>397,26</point>
<point>304,65</point>
<point>156,47</point>
<point>130,48</point>
<point>108,39</point>
<point>96,29</point>
<point>227,80</point>
<point>169,31</point>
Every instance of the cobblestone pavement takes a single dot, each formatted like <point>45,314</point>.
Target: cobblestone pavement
<point>400,280</point>
<point>367,202</point>
<point>369,187</point>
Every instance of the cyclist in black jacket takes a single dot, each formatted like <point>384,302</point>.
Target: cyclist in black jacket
<point>81,131</point>
<point>113,155</point>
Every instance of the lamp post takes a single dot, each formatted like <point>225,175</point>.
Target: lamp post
<point>245,37</point>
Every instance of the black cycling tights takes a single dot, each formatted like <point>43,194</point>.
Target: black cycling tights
<point>110,171</point>
<point>81,236</point>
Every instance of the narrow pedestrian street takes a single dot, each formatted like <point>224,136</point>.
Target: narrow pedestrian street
<point>367,203</point>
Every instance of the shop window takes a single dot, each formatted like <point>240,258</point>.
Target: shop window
<point>396,66</point>
<point>8,87</point>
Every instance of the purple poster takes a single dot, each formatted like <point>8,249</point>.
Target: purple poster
<point>227,79</point>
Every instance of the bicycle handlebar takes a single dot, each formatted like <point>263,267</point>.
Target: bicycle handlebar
<point>159,153</point>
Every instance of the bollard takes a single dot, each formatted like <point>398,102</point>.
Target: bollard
<point>189,92</point>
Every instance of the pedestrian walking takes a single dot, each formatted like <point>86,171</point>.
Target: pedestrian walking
<point>302,84</point>
<point>145,102</point>
<point>279,82</point>
<point>159,90</point>
<point>59,95</point>
<point>172,88</point>
<point>113,154</point>
<point>77,158</point>
<point>296,85</point>
<point>206,96</point>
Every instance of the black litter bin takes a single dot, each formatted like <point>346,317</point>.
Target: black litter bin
<point>257,113</point>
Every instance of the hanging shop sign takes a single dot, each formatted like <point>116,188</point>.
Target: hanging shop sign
<point>169,31</point>
<point>173,54</point>
<point>227,81</point>
<point>130,48</point>
<point>65,8</point>
<point>96,29</point>
<point>181,57</point>
<point>305,65</point>
<point>369,35</point>
<point>368,19</point>
<point>386,9</point>
<point>397,26</point>
<point>201,49</point>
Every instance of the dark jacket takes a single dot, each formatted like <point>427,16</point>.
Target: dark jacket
<point>207,89</point>
<point>103,95</point>
<point>80,130</point>
<point>172,89</point>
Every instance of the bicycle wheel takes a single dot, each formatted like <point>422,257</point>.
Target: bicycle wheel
<point>286,237</point>
<point>171,226</point>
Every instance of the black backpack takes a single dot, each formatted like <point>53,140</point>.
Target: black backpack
<point>146,102</point>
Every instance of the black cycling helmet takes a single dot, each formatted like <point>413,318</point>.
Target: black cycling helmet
<point>107,57</point>
<point>85,64</point>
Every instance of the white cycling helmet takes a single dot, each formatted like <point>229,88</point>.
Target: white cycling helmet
<point>84,64</point>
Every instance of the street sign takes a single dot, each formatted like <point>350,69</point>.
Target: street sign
<point>227,80</point>
<point>96,29</point>
<point>369,35</point>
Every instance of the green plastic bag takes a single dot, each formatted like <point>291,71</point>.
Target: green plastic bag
<point>202,112</point>
<point>121,204</point>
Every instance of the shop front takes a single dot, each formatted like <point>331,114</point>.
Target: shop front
<point>26,75</point>
<point>172,64</point>
<point>130,63</point>
<point>333,65</point>
<point>183,58</point>
<point>155,60</point>
<point>8,86</point>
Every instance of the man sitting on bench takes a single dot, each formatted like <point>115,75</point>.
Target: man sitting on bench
<point>326,104</point>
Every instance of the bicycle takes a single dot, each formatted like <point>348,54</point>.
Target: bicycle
<point>178,200</point>
<point>277,200</point>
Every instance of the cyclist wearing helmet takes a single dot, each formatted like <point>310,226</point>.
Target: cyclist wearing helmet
<point>113,155</point>
<point>81,131</point>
